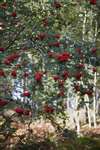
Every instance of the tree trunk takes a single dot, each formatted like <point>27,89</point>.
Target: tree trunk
<point>94,102</point>
<point>86,98</point>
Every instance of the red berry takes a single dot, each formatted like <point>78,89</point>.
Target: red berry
<point>80,66</point>
<point>54,44</point>
<point>41,36</point>
<point>57,44</point>
<point>63,57</point>
<point>26,74</point>
<point>2,74</point>
<point>93,50</point>
<point>6,62</point>
<point>77,87</point>
<point>19,111</point>
<point>93,2</point>
<point>48,109</point>
<point>26,93</point>
<point>94,69</point>
<point>38,76</point>
<point>10,58</point>
<point>65,74</point>
<point>57,36</point>
<point>22,111</point>
<point>78,75</point>
<point>14,73</point>
<point>56,77</point>
<point>3,5</point>
<point>89,92</point>
<point>2,49</point>
<point>26,112</point>
<point>14,14</point>
<point>56,4</point>
<point>3,102</point>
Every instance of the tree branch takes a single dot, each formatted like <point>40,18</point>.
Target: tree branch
<point>12,42</point>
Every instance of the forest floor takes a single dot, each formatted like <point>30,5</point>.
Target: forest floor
<point>16,133</point>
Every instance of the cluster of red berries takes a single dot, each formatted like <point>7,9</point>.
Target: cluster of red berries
<point>2,49</point>
<point>38,76</point>
<point>3,102</point>
<point>63,57</point>
<point>93,2</point>
<point>2,73</point>
<point>11,58</point>
<point>48,109</point>
<point>21,111</point>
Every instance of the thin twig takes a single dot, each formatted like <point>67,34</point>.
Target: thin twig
<point>12,42</point>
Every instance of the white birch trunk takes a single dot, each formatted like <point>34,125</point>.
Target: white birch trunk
<point>77,122</point>
<point>89,116</point>
<point>94,102</point>
<point>84,25</point>
<point>77,115</point>
<point>86,98</point>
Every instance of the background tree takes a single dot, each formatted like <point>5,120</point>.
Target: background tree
<point>49,49</point>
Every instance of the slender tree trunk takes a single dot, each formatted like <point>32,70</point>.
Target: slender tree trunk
<point>89,116</point>
<point>84,25</point>
<point>77,122</point>
<point>94,102</point>
<point>86,115</point>
<point>77,115</point>
<point>86,98</point>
